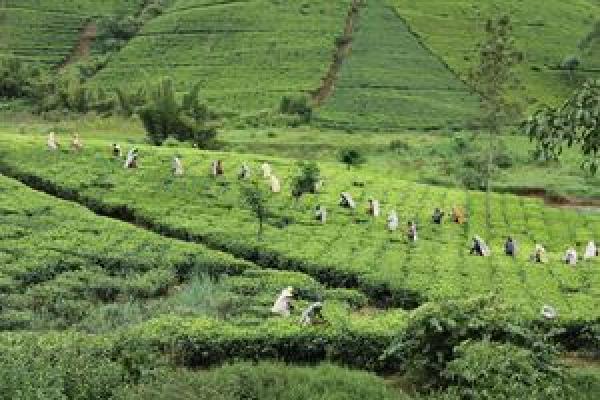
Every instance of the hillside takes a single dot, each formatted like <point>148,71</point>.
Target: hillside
<point>246,54</point>
<point>47,31</point>
<point>547,32</point>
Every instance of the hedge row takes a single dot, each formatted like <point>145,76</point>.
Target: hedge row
<point>380,292</point>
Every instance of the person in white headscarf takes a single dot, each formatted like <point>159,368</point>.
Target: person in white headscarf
<point>116,150</point>
<point>591,251</point>
<point>539,254</point>
<point>319,185</point>
<point>244,172</point>
<point>52,143</point>
<point>321,214</point>
<point>275,184</point>
<point>373,209</point>
<point>131,160</point>
<point>283,305</point>
<point>312,314</point>
<point>571,256</point>
<point>412,232</point>
<point>177,166</point>
<point>217,168</point>
<point>346,200</point>
<point>549,312</point>
<point>76,143</point>
<point>392,221</point>
<point>480,248</point>
<point>266,169</point>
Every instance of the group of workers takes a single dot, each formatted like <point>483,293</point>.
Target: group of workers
<point>480,248</point>
<point>458,216</point>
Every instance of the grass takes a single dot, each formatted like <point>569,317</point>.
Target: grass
<point>391,82</point>
<point>545,34</point>
<point>246,55</point>
<point>350,246</point>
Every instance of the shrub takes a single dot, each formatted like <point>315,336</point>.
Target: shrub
<point>306,180</point>
<point>487,370</point>
<point>297,105</point>
<point>436,330</point>
<point>164,116</point>
<point>29,371</point>
<point>351,157</point>
<point>264,381</point>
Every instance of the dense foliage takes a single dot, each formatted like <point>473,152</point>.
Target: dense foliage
<point>164,116</point>
<point>575,123</point>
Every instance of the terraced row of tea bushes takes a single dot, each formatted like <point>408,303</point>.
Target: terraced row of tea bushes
<point>246,55</point>
<point>391,81</point>
<point>47,31</point>
<point>351,250</point>
<point>59,260</point>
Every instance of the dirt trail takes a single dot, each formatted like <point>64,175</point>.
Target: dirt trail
<point>82,49</point>
<point>559,201</point>
<point>342,51</point>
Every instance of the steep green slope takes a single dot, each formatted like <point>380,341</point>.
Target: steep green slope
<point>391,81</point>
<point>46,31</point>
<point>546,31</point>
<point>245,54</point>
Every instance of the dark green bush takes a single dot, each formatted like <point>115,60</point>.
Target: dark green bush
<point>351,157</point>
<point>165,116</point>
<point>306,180</point>
<point>487,370</point>
<point>436,330</point>
<point>265,381</point>
<point>297,105</point>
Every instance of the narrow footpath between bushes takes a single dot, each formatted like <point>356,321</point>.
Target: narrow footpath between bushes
<point>342,51</point>
<point>379,293</point>
<point>83,48</point>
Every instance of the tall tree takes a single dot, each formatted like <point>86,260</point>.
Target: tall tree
<point>494,78</point>
<point>575,123</point>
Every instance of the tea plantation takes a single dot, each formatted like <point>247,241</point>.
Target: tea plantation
<point>351,250</point>
<point>391,81</point>
<point>127,281</point>
<point>245,54</point>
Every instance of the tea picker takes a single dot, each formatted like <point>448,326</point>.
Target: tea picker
<point>283,305</point>
<point>312,315</point>
<point>392,221</point>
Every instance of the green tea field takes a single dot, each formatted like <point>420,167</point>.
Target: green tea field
<point>351,249</point>
<point>246,55</point>
<point>299,200</point>
<point>47,31</point>
<point>391,81</point>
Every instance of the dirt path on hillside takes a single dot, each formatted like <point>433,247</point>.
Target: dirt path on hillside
<point>84,45</point>
<point>559,201</point>
<point>342,51</point>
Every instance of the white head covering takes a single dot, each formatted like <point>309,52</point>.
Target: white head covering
<point>52,144</point>
<point>392,221</point>
<point>571,256</point>
<point>177,166</point>
<point>590,250</point>
<point>307,315</point>
<point>549,312</point>
<point>375,208</point>
<point>130,157</point>
<point>266,168</point>
<point>282,304</point>
<point>275,185</point>
<point>321,214</point>
<point>348,199</point>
